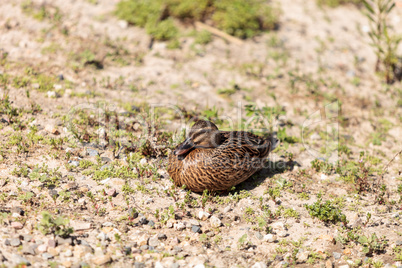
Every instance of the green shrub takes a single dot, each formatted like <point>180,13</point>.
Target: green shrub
<point>58,226</point>
<point>243,19</point>
<point>335,3</point>
<point>164,30</point>
<point>139,12</point>
<point>239,18</point>
<point>188,9</point>
<point>326,212</point>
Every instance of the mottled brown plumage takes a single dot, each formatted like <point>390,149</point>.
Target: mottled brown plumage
<point>217,160</point>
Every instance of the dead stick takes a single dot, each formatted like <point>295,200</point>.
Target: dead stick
<point>398,153</point>
<point>231,39</point>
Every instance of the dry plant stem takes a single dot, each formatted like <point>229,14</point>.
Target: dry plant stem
<point>386,167</point>
<point>229,38</point>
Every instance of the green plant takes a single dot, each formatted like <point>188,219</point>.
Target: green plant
<point>372,244</point>
<point>335,3</point>
<point>385,45</point>
<point>243,19</point>
<point>58,226</point>
<point>326,212</point>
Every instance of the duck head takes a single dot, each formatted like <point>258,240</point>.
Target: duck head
<point>203,134</point>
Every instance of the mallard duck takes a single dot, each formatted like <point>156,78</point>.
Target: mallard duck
<point>215,160</point>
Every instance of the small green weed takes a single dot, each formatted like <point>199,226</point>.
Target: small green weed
<point>58,226</point>
<point>326,212</point>
<point>372,244</point>
<point>385,45</point>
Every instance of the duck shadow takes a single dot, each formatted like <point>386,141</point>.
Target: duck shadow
<point>270,169</point>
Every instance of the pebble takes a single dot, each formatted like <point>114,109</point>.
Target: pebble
<point>199,266</point>
<point>162,236</point>
<point>62,241</point>
<point>269,238</point>
<point>302,256</point>
<point>101,260</point>
<point>111,192</point>
<point>143,220</point>
<point>202,215</point>
<point>259,265</point>
<point>47,256</point>
<point>154,241</point>
<point>179,226</point>
<point>343,266</point>
<point>74,163</point>
<point>108,224</point>
<point>104,181</point>
<point>123,24</point>
<point>329,264</point>
<point>195,229</point>
<point>51,243</point>
<point>68,253</point>
<point>142,240</point>
<point>139,265</point>
<point>143,161</point>
<point>92,152</point>
<point>27,237</point>
<point>151,223</point>
<point>42,248</point>
<point>27,249</point>
<point>215,221</point>
<point>102,236</point>
<point>18,210</point>
<point>17,225</point>
<point>337,255</point>
<point>52,94</point>
<point>18,259</point>
<point>282,234</point>
<point>226,209</point>
<point>15,242</point>
<point>259,235</point>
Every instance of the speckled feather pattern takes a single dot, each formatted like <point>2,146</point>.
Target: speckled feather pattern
<point>239,156</point>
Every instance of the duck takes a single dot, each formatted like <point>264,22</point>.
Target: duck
<point>214,160</point>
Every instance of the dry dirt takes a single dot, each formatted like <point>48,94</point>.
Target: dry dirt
<point>318,67</point>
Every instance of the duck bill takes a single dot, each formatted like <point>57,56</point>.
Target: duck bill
<point>183,148</point>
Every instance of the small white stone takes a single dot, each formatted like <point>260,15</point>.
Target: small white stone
<point>143,161</point>
<point>324,177</point>
<point>57,86</point>
<point>104,181</point>
<point>227,209</point>
<point>68,253</point>
<point>365,29</point>
<point>51,94</point>
<point>215,222</point>
<point>179,226</point>
<point>42,248</point>
<point>158,265</point>
<point>269,238</point>
<point>202,215</point>
<point>123,24</point>
<point>259,265</point>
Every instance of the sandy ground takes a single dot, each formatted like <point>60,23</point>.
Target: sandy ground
<point>318,68</point>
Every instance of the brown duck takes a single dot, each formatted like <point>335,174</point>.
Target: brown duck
<point>217,160</point>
